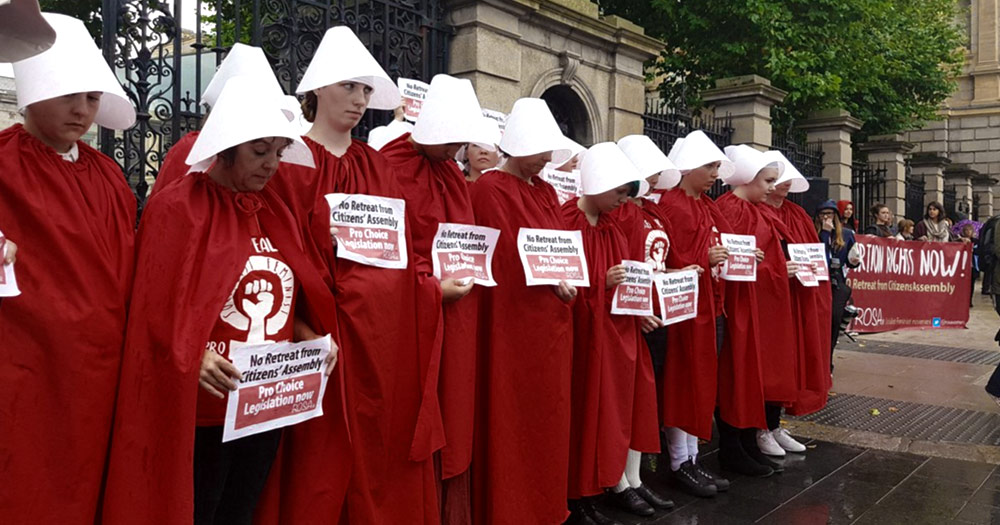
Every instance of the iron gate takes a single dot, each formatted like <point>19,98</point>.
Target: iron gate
<point>164,69</point>
<point>868,187</point>
<point>914,196</point>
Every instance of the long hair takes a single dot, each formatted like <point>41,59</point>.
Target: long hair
<point>875,209</point>
<point>942,216</point>
<point>838,232</point>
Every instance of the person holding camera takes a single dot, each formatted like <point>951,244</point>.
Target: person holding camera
<point>840,255</point>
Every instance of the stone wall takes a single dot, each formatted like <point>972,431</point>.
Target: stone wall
<point>8,104</point>
<point>520,48</point>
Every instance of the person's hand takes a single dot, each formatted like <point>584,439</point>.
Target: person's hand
<point>760,255</point>
<point>453,290</point>
<point>793,268</point>
<point>331,358</point>
<point>565,291</point>
<point>616,275</point>
<point>217,374</point>
<point>11,256</point>
<point>302,332</point>
<point>827,224</point>
<point>650,323</point>
<point>693,267</point>
<point>717,254</point>
<point>333,235</point>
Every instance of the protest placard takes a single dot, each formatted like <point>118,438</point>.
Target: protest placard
<point>678,293</point>
<point>742,262</point>
<point>372,230</point>
<point>498,116</point>
<point>817,256</point>
<point>282,384</point>
<point>550,256</point>
<point>634,296</point>
<point>461,251</point>
<point>414,92</point>
<point>8,282</point>
<point>566,183</point>
<point>800,255</point>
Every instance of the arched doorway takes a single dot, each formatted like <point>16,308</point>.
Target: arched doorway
<point>570,113</point>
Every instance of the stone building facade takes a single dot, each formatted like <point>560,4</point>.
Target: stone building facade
<point>963,150</point>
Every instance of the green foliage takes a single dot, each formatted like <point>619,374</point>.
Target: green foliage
<point>223,23</point>
<point>88,11</point>
<point>891,63</point>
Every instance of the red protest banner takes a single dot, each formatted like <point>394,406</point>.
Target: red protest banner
<point>910,284</point>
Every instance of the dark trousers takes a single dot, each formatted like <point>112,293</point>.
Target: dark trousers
<point>773,415</point>
<point>841,296</point>
<point>229,477</point>
<point>993,385</point>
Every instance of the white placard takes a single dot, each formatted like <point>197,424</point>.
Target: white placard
<point>566,183</point>
<point>461,251</point>
<point>635,295</point>
<point>498,116</point>
<point>414,92</point>
<point>741,265</point>
<point>8,282</point>
<point>800,254</point>
<point>282,384</point>
<point>550,256</point>
<point>653,197</point>
<point>372,230</point>
<point>817,255</point>
<point>678,293</point>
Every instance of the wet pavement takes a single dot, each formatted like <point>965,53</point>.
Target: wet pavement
<point>839,484</point>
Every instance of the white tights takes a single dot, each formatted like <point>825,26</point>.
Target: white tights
<point>630,478</point>
<point>683,446</point>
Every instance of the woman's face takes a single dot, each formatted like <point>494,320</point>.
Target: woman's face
<point>343,104</point>
<point>254,164</point>
<point>61,121</point>
<point>611,199</point>
<point>933,213</point>
<point>761,186</point>
<point>570,164</point>
<point>481,159</point>
<point>701,179</point>
<point>908,230</point>
<point>653,180</point>
<point>532,165</point>
<point>781,190</point>
<point>848,211</point>
<point>884,215</point>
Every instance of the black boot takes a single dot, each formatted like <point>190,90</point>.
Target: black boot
<point>689,479</point>
<point>721,483</point>
<point>748,438</point>
<point>733,457</point>
<point>630,501</point>
<point>591,512</point>
<point>653,498</point>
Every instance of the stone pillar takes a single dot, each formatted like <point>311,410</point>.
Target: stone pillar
<point>832,130</point>
<point>985,51</point>
<point>982,188</point>
<point>747,100</point>
<point>481,28</point>
<point>890,151</point>
<point>959,176</point>
<point>930,166</point>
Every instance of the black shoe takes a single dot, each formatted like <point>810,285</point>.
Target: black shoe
<point>721,483</point>
<point>630,501</point>
<point>594,515</point>
<point>741,463</point>
<point>653,498</point>
<point>690,480</point>
<point>748,438</point>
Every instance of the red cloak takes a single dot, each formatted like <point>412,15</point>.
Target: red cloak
<point>521,449</point>
<point>173,166</point>
<point>61,339</point>
<point>193,244</point>
<point>437,192</point>
<point>811,307</point>
<point>690,370</point>
<point>390,337</point>
<point>769,295</point>
<point>605,353</point>
<point>645,227</point>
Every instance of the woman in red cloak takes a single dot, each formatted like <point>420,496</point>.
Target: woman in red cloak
<point>436,192</point>
<point>72,214</point>
<point>776,344</point>
<point>221,264</point>
<point>690,372</point>
<point>811,307</point>
<point>606,355</point>
<point>388,303</point>
<point>520,455</point>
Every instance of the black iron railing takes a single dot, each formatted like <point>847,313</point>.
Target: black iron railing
<point>868,186</point>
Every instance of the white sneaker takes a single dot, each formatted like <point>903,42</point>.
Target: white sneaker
<point>786,442</point>
<point>767,445</point>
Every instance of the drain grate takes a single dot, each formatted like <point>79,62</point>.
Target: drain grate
<point>937,353</point>
<point>912,420</point>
